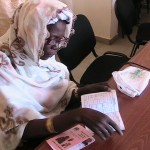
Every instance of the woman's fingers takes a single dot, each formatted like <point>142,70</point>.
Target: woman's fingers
<point>103,131</point>
<point>93,88</point>
<point>98,122</point>
<point>105,88</point>
<point>100,131</point>
<point>115,126</point>
<point>109,129</point>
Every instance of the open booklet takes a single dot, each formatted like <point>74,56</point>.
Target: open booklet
<point>105,102</point>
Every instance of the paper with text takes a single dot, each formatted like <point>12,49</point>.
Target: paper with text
<point>105,102</point>
<point>75,138</point>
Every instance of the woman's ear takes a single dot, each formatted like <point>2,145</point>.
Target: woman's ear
<point>48,35</point>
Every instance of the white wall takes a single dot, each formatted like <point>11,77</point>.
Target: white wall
<point>68,2</point>
<point>101,15</point>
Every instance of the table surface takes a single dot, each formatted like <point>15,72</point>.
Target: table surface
<point>135,113</point>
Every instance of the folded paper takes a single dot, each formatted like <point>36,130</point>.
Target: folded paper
<point>131,81</point>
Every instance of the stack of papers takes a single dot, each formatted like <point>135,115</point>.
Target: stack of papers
<point>131,81</point>
<point>105,102</point>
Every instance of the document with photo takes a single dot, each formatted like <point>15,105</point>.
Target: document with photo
<point>75,138</point>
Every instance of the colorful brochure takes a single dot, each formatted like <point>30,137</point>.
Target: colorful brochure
<point>75,138</point>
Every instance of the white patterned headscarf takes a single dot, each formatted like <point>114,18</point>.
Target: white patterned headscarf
<point>29,25</point>
<point>36,88</point>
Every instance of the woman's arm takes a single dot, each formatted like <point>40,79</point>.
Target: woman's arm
<point>101,124</point>
<point>98,122</point>
<point>95,120</point>
<point>36,129</point>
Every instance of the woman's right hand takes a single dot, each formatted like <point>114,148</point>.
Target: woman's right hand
<point>98,122</point>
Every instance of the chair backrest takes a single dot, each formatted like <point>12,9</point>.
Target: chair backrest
<point>138,6</point>
<point>126,14</point>
<point>80,44</point>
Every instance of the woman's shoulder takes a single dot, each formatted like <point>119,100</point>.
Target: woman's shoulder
<point>4,40</point>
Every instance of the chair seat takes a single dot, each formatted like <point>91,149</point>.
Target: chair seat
<point>143,33</point>
<point>101,69</point>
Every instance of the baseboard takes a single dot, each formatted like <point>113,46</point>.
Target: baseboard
<point>107,41</point>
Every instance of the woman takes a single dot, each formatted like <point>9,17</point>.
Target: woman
<point>35,88</point>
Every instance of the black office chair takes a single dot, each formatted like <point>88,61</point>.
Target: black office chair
<point>138,6</point>
<point>127,17</point>
<point>80,45</point>
<point>147,5</point>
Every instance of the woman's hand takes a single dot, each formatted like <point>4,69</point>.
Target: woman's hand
<point>90,88</point>
<point>93,88</point>
<point>98,122</point>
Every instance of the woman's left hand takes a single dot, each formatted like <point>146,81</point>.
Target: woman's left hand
<point>94,88</point>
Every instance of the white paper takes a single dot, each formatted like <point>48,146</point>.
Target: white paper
<point>105,102</point>
<point>131,81</point>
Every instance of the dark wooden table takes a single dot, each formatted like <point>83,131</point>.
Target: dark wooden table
<point>135,113</point>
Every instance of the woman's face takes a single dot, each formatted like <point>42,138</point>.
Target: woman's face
<point>57,32</point>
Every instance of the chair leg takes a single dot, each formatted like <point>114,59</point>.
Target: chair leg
<point>94,53</point>
<point>72,78</point>
<point>132,50</point>
<point>122,34</point>
<point>147,4</point>
<point>120,31</point>
<point>135,47</point>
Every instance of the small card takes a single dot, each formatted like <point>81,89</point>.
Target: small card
<point>75,138</point>
<point>83,144</point>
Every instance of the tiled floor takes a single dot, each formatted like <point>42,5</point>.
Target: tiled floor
<point>120,45</point>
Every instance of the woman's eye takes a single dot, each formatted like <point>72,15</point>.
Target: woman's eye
<point>54,40</point>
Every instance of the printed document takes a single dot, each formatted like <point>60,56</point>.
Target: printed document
<point>74,138</point>
<point>105,102</point>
